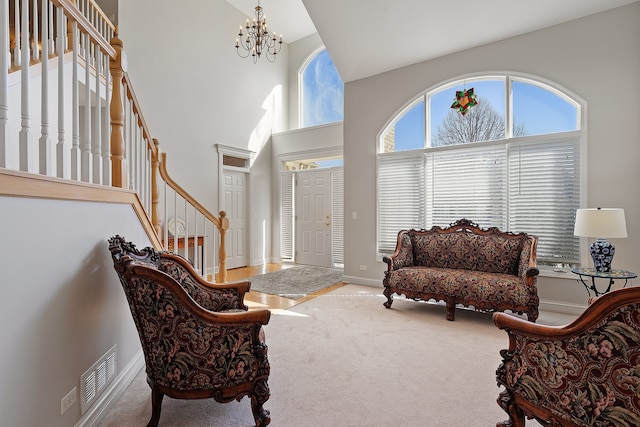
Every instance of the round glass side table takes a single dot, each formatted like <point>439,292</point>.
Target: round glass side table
<point>591,274</point>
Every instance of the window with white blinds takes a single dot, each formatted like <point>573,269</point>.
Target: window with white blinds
<point>517,186</point>
<point>544,193</point>
<point>337,216</point>
<point>467,181</point>
<point>401,195</point>
<point>514,165</point>
<point>286,215</point>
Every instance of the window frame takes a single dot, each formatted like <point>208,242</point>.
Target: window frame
<point>509,78</point>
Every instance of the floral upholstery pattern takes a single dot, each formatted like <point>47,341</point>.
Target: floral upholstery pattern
<point>463,264</point>
<point>184,352</point>
<point>467,251</point>
<point>586,377</point>
<point>211,299</point>
<point>198,339</point>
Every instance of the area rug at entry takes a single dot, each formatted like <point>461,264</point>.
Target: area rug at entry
<point>296,282</point>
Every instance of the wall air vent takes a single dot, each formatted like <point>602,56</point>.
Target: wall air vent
<point>97,377</point>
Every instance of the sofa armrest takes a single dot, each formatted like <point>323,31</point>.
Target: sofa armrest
<point>528,265</point>
<point>403,255</point>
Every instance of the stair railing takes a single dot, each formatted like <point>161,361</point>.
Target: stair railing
<point>91,128</point>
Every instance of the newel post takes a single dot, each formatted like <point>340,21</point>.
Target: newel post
<point>222,253</point>
<point>117,66</point>
<point>155,192</point>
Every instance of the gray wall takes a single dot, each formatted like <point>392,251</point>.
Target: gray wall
<point>63,306</point>
<point>597,58</point>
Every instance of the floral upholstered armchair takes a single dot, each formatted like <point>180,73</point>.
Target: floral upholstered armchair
<point>586,373</point>
<point>198,338</point>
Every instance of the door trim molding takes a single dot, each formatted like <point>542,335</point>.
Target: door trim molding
<point>248,156</point>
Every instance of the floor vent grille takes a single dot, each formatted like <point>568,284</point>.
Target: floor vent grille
<point>97,377</point>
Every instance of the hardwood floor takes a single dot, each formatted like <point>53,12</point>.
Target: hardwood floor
<point>273,302</point>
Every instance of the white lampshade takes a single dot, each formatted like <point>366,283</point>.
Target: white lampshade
<point>600,222</point>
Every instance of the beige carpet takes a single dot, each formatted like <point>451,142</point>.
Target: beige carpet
<point>343,360</point>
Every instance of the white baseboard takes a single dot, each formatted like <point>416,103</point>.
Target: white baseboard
<point>562,307</point>
<point>101,407</point>
<point>363,281</point>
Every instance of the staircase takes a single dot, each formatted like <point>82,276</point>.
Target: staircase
<point>71,128</point>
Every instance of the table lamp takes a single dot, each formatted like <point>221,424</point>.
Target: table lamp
<point>601,223</point>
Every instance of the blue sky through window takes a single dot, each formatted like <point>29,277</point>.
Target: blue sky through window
<point>540,110</point>
<point>322,92</point>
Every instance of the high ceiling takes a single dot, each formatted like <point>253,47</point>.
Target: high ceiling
<point>368,37</point>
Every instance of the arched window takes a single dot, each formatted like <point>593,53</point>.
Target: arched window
<point>321,91</point>
<point>512,162</point>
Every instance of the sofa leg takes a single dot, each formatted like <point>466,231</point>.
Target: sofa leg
<point>451,310</point>
<point>389,294</point>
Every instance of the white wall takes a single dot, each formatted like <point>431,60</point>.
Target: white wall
<point>597,57</point>
<point>63,305</point>
<point>195,92</point>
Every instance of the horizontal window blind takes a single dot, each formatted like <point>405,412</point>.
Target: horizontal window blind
<point>337,216</point>
<point>286,215</point>
<point>544,193</point>
<point>401,196</point>
<point>467,182</point>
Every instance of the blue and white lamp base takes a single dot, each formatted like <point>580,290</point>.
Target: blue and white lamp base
<point>602,253</point>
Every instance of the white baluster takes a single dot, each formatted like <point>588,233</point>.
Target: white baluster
<point>106,148</point>
<point>34,40</point>
<point>52,46</point>
<point>16,32</point>
<point>62,40</point>
<point>75,106</point>
<point>85,148</point>
<point>45,141</point>
<point>5,63</point>
<point>25,128</point>
<point>97,132</point>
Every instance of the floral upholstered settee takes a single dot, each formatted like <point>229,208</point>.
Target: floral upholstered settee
<point>586,373</point>
<point>486,269</point>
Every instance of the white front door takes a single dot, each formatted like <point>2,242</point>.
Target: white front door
<point>235,205</point>
<point>313,218</point>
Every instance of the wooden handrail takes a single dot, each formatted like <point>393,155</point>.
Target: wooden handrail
<point>221,223</point>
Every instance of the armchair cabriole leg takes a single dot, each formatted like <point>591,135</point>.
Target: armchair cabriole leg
<point>516,416</point>
<point>261,395</point>
<point>156,406</point>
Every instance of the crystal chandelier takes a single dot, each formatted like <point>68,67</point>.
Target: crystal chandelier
<point>257,40</point>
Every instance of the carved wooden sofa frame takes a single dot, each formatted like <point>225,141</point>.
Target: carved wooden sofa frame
<point>486,269</point>
<point>586,373</point>
<point>198,338</point>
